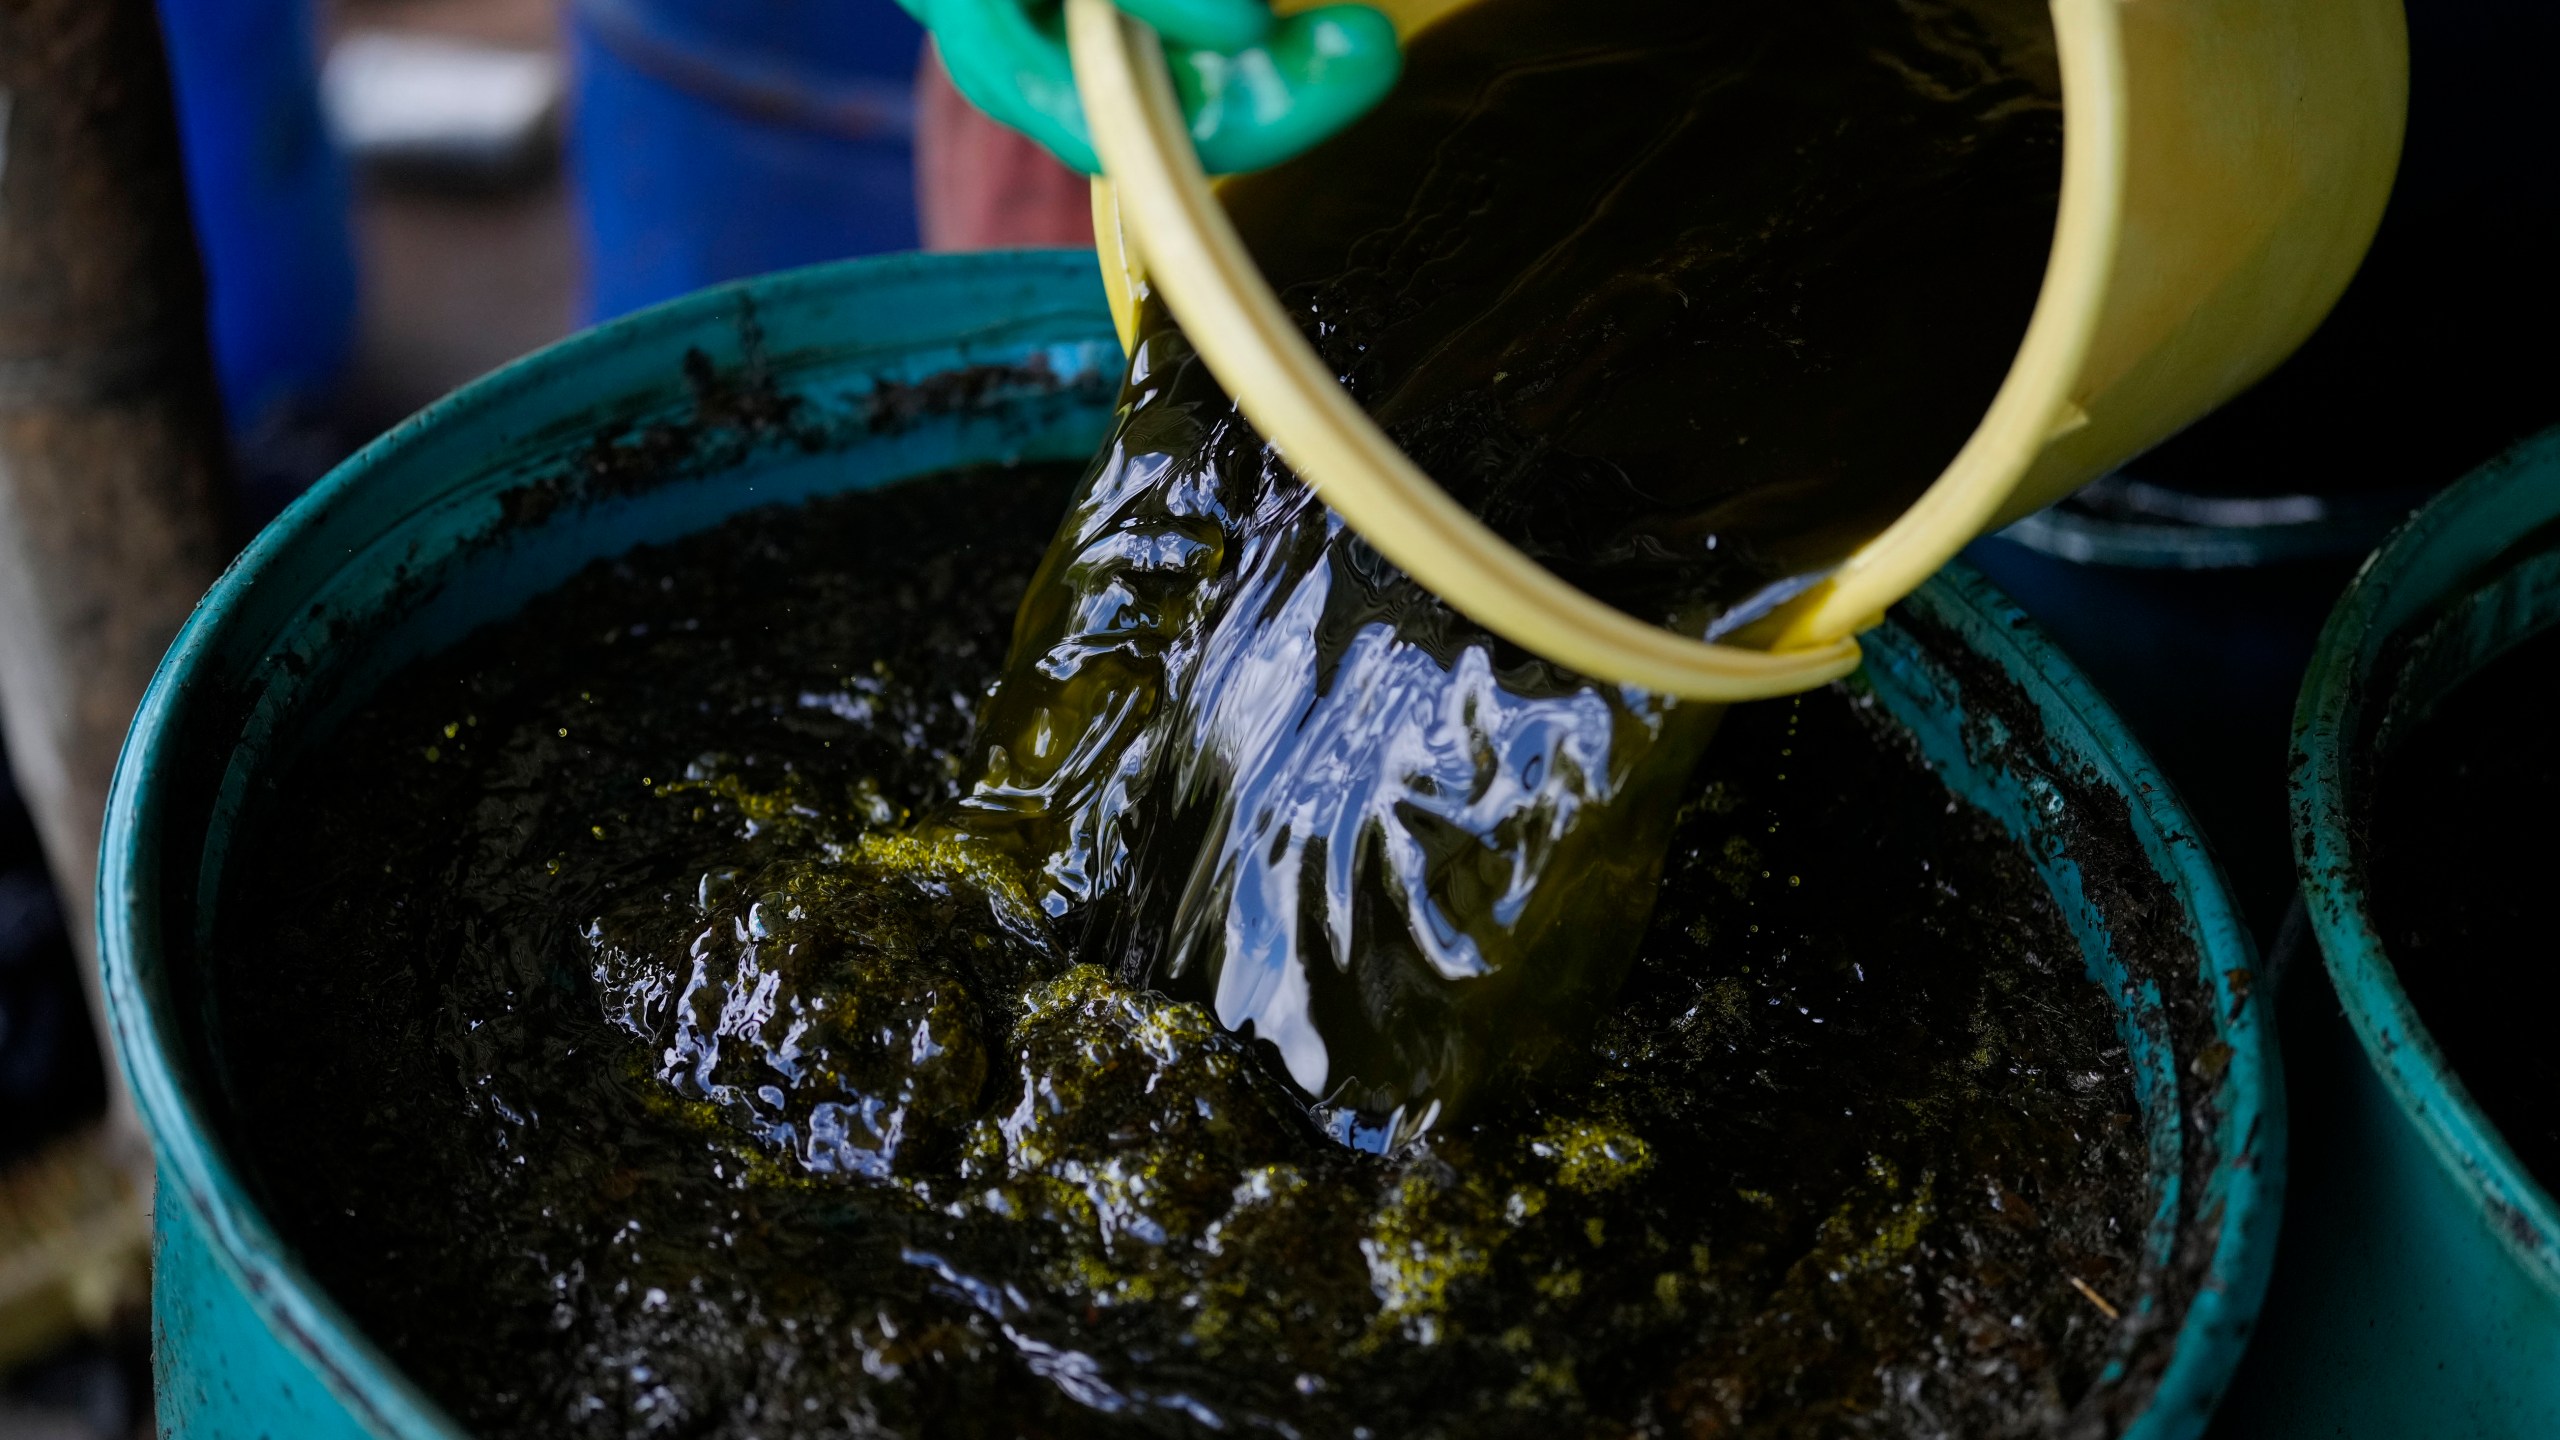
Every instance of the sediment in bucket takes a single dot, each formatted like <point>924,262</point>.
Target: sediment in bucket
<point>863,374</point>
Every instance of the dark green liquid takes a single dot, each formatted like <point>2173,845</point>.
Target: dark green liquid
<point>498,1026</point>
<point>2461,865</point>
<point>666,1011</point>
<point>1687,299</point>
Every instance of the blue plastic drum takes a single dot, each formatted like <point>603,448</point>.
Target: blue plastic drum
<point>713,141</point>
<point>270,200</point>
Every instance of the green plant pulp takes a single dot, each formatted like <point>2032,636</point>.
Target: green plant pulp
<point>601,1036</point>
<point>733,999</point>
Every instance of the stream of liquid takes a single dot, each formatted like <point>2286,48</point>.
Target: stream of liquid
<point>1685,299</point>
<point>724,1001</point>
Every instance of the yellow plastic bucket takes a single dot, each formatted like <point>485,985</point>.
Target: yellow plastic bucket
<point>2225,163</point>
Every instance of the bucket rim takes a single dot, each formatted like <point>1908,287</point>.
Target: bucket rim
<point>2435,557</point>
<point>306,1321</point>
<point>2248,1096</point>
<point>293,1304</point>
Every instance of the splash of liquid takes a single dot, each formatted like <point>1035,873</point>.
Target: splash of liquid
<point>764,1111</point>
<point>1687,300</point>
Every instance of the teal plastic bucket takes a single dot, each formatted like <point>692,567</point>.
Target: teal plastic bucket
<point>878,371</point>
<point>2420,1291</point>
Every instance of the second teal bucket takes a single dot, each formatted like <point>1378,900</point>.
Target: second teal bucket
<point>2419,1293</point>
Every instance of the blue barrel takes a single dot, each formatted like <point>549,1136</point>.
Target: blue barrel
<point>712,141</point>
<point>2420,1291</point>
<point>492,497</point>
<point>270,197</point>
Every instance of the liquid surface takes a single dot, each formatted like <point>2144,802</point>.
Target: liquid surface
<point>600,1039</point>
<point>2461,864</point>
<point>1285,1010</point>
<point>1687,299</point>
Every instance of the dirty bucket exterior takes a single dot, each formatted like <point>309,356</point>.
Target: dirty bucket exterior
<point>711,142</point>
<point>429,533</point>
<point>2421,1294</point>
<point>2236,641</point>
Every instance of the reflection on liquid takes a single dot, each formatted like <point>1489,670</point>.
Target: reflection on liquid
<point>626,1059</point>
<point>1688,300</point>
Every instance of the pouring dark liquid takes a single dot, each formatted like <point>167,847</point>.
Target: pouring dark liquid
<point>610,1040</point>
<point>1687,300</point>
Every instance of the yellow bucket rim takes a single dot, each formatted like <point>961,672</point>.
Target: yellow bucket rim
<point>1160,226</point>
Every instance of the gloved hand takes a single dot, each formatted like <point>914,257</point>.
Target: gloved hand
<point>1257,89</point>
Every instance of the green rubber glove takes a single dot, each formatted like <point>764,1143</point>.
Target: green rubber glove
<point>1257,89</point>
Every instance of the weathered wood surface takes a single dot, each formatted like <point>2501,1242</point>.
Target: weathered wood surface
<point>111,523</point>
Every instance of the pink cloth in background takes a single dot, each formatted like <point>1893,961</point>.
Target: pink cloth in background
<point>980,186</point>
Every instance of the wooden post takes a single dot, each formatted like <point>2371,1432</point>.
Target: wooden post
<point>110,435</point>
